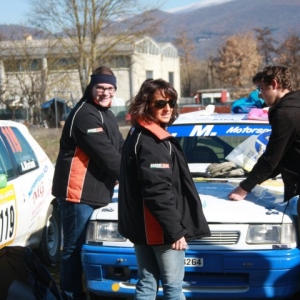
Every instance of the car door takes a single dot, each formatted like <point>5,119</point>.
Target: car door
<point>19,204</point>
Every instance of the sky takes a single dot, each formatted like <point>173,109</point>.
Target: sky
<point>14,11</point>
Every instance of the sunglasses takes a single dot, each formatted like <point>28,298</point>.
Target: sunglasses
<point>162,103</point>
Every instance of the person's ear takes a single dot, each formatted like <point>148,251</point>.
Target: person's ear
<point>274,84</point>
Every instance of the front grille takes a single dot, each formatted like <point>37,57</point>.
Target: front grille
<point>218,238</point>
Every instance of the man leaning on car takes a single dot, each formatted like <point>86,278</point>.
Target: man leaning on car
<point>282,154</point>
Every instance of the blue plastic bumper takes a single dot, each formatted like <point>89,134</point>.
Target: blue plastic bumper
<point>268,274</point>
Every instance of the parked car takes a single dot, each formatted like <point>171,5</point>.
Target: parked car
<point>28,211</point>
<point>253,252</point>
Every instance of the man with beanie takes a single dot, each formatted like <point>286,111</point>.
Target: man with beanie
<point>282,155</point>
<point>87,167</point>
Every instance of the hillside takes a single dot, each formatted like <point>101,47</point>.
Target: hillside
<point>209,26</point>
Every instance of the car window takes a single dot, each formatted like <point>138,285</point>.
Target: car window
<point>6,166</point>
<point>20,150</point>
<point>208,149</point>
<point>212,143</point>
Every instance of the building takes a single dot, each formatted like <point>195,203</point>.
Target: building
<point>39,70</point>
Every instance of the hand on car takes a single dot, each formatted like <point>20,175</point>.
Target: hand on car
<point>180,244</point>
<point>237,194</point>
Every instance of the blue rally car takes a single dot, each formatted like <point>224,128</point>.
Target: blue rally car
<point>253,250</point>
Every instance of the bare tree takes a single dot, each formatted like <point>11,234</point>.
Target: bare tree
<point>2,73</point>
<point>289,56</point>
<point>84,22</point>
<point>186,48</point>
<point>238,60</point>
<point>24,75</point>
<point>265,44</point>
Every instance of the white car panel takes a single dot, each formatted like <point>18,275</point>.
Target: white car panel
<point>26,199</point>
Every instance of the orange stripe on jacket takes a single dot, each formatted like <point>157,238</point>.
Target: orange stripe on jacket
<point>77,175</point>
<point>154,233</point>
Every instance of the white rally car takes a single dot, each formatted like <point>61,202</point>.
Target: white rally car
<point>28,211</point>
<point>253,252</point>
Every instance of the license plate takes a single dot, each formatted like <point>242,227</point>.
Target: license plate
<point>193,262</point>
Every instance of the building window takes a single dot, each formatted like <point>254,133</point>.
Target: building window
<point>149,74</point>
<point>171,77</point>
<point>169,52</point>
<point>120,61</point>
<point>62,64</point>
<point>22,65</point>
<point>147,47</point>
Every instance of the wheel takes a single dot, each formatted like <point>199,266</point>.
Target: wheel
<point>49,249</point>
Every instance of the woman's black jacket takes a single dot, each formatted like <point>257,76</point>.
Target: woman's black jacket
<point>158,201</point>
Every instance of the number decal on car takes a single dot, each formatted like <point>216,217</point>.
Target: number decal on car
<point>7,215</point>
<point>193,262</point>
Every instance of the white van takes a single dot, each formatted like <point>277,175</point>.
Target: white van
<point>212,96</point>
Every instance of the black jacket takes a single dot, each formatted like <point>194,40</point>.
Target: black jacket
<point>282,155</point>
<point>158,201</point>
<point>89,158</point>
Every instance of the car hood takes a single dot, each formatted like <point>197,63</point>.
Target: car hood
<point>263,205</point>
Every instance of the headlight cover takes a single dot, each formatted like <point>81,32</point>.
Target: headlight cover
<point>104,231</point>
<point>271,234</point>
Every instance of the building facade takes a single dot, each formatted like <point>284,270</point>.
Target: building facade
<point>43,69</point>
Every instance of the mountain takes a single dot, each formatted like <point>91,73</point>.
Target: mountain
<point>209,26</point>
<point>16,32</point>
<point>194,6</point>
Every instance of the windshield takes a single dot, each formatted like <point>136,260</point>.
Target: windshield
<point>207,144</point>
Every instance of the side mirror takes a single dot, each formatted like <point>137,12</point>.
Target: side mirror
<point>3,181</point>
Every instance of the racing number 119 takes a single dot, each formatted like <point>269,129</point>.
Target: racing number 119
<point>7,221</point>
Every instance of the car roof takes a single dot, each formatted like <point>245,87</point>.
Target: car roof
<point>10,123</point>
<point>199,117</point>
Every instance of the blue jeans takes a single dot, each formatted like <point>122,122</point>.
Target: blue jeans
<point>159,263</point>
<point>74,220</point>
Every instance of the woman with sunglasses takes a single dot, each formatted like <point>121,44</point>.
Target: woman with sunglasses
<point>159,206</point>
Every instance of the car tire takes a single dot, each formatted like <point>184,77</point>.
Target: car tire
<point>50,246</point>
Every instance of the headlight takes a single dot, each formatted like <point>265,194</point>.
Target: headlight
<point>271,234</point>
<point>105,231</point>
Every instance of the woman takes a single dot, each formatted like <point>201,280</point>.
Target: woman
<point>86,170</point>
<point>159,207</point>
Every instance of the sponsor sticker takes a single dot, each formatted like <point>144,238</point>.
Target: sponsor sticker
<point>93,130</point>
<point>160,166</point>
<point>218,130</point>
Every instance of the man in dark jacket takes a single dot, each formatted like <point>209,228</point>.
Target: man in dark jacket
<point>86,171</point>
<point>159,207</point>
<point>282,155</point>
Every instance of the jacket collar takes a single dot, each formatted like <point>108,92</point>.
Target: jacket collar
<point>155,129</point>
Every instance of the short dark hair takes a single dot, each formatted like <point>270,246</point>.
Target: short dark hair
<point>140,106</point>
<point>281,74</point>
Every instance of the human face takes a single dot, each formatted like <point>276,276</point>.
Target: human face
<point>103,94</point>
<point>164,114</point>
<point>269,93</point>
